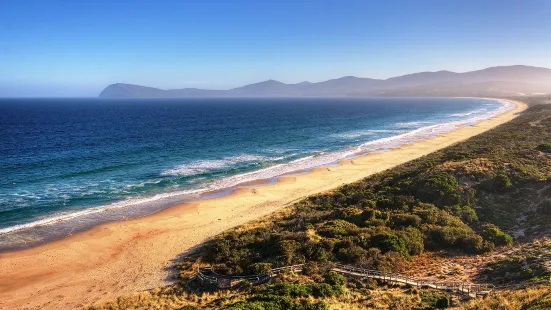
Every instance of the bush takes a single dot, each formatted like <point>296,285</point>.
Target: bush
<point>546,148</point>
<point>351,214</point>
<point>387,242</point>
<point>368,214</point>
<point>334,278</point>
<point>326,290</point>
<point>351,254</point>
<point>288,249</point>
<point>493,234</point>
<point>311,269</point>
<point>337,228</point>
<point>456,237</point>
<point>405,220</point>
<point>413,238</point>
<point>260,268</point>
<point>439,187</point>
<point>319,251</point>
<point>443,302</point>
<point>435,300</point>
<point>502,182</point>
<point>272,302</point>
<point>467,214</point>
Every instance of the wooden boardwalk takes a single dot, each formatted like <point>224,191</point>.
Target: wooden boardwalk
<point>464,288</point>
<point>209,277</point>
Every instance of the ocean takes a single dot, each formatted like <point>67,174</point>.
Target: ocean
<point>70,164</point>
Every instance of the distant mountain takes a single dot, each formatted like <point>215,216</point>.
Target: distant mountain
<point>266,88</point>
<point>129,90</point>
<point>121,90</point>
<point>421,78</point>
<point>494,81</point>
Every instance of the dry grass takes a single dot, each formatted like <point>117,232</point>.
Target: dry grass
<point>525,299</point>
<point>168,298</point>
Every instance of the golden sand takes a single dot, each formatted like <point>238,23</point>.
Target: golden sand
<point>133,255</point>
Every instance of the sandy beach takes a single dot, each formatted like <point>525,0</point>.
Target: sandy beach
<point>133,255</point>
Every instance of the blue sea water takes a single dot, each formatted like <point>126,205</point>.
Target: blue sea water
<point>69,164</point>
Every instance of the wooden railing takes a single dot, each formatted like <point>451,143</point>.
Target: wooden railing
<point>465,288</point>
<point>209,277</point>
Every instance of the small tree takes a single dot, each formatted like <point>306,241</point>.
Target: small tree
<point>495,235</point>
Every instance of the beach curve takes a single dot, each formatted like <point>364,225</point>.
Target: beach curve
<point>79,270</point>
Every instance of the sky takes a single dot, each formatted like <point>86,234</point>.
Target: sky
<point>75,48</point>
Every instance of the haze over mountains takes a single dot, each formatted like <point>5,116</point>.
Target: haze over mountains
<point>494,81</point>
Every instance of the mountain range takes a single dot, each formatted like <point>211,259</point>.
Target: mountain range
<point>493,81</point>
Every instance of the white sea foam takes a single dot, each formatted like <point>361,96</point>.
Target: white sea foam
<point>412,124</point>
<point>467,113</point>
<point>273,171</point>
<point>363,133</point>
<point>203,166</point>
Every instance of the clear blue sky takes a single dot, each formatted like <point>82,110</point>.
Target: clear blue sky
<point>77,47</point>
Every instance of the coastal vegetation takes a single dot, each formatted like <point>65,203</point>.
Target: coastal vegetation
<point>489,192</point>
<point>527,263</point>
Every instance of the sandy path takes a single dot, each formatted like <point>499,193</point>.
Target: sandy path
<point>117,258</point>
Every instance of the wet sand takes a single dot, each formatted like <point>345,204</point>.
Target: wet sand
<point>133,255</point>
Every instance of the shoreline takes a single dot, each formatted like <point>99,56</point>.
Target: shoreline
<point>58,226</point>
<point>78,269</point>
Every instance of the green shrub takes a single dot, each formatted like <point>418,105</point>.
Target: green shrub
<point>374,223</point>
<point>337,228</point>
<point>413,238</point>
<point>435,300</point>
<point>271,302</point>
<point>316,251</point>
<point>351,254</point>
<point>368,214</point>
<point>326,290</point>
<point>351,214</point>
<point>387,242</point>
<point>405,220</point>
<point>260,268</point>
<point>546,148</point>
<point>466,213</point>
<point>439,187</point>
<point>456,237</point>
<point>288,250</point>
<point>502,182</point>
<point>334,278</point>
<point>493,234</point>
